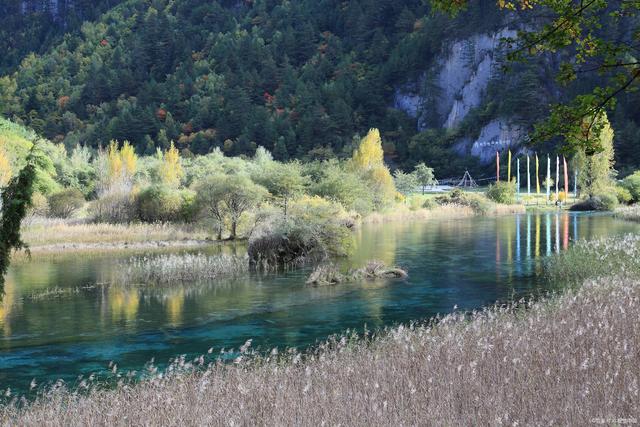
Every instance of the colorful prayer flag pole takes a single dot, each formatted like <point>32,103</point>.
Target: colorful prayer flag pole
<point>497,166</point>
<point>528,178</point>
<point>566,177</point>
<point>537,175</point>
<point>548,176</point>
<point>557,174</point>
<point>518,176</point>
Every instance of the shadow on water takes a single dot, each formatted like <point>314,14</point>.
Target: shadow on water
<point>56,323</point>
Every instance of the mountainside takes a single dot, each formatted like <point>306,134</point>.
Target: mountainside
<point>299,78</point>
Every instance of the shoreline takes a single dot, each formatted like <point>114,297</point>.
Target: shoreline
<point>70,238</point>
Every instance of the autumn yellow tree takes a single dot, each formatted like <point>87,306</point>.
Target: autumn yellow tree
<point>369,153</point>
<point>117,167</point>
<point>369,159</point>
<point>171,169</point>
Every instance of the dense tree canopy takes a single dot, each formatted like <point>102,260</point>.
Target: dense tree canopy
<point>304,79</point>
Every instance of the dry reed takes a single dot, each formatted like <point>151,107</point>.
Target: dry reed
<point>51,232</point>
<point>630,213</point>
<point>179,268</point>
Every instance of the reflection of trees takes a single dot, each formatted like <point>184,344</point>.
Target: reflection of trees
<point>7,305</point>
<point>124,303</point>
<point>174,303</point>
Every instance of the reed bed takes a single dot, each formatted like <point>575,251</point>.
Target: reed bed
<point>63,232</point>
<point>596,258</point>
<point>571,360</point>
<point>630,213</point>
<point>179,268</point>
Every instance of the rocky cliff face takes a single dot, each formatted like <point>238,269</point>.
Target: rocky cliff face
<point>444,95</point>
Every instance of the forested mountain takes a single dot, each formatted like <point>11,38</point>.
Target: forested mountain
<point>300,78</point>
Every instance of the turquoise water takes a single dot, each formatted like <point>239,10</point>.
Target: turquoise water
<point>54,324</point>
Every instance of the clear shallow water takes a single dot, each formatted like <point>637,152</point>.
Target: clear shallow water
<point>470,263</point>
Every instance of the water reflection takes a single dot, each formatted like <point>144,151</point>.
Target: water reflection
<point>56,323</point>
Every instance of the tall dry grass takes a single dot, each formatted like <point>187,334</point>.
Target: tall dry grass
<point>571,360</point>
<point>47,232</point>
<point>405,213</point>
<point>171,269</point>
<point>630,213</point>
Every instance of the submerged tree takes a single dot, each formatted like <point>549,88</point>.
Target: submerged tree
<point>16,199</point>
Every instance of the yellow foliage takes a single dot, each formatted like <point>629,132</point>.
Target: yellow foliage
<point>115,161</point>
<point>383,180</point>
<point>562,196</point>
<point>122,162</point>
<point>129,158</point>
<point>171,170</point>
<point>5,169</point>
<point>369,154</point>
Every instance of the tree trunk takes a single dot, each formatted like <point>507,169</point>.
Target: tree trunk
<point>234,226</point>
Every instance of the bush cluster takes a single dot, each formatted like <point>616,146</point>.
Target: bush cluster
<point>477,202</point>
<point>632,184</point>
<point>160,203</point>
<point>64,203</point>
<point>598,202</point>
<point>502,192</point>
<point>314,229</point>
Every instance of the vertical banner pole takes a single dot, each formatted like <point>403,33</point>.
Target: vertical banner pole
<point>548,176</point>
<point>528,178</point>
<point>518,177</point>
<point>557,174</point>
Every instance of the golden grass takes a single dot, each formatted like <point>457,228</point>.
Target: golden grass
<point>52,232</point>
<point>570,360</point>
<point>402,212</point>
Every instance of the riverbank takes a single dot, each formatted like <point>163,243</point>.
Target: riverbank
<point>568,360</point>
<point>47,237</point>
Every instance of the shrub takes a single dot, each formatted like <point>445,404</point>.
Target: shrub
<point>623,194</point>
<point>562,197</point>
<point>114,208</point>
<point>160,203</point>
<point>430,203</point>
<point>477,202</point>
<point>64,203</point>
<point>502,192</point>
<point>39,205</point>
<point>314,229</point>
<point>598,202</point>
<point>632,183</point>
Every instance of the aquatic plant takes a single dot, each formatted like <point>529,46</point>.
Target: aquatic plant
<point>630,213</point>
<point>174,268</point>
<point>329,274</point>
<point>314,230</point>
<point>596,258</point>
<point>569,360</point>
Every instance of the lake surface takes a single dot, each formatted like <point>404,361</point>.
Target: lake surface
<point>54,324</point>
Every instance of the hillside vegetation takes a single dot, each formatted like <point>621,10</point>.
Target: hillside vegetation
<point>298,78</point>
